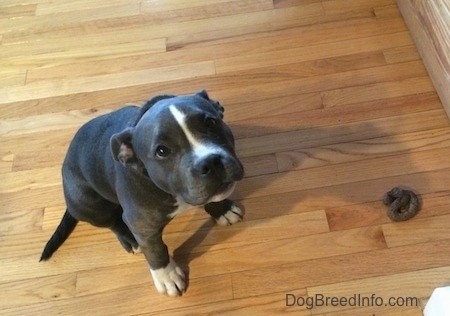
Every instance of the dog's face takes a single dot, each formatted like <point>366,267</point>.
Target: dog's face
<point>185,147</point>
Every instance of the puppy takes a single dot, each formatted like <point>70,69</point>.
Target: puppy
<point>135,169</point>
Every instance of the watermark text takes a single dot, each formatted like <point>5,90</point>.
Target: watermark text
<point>355,300</point>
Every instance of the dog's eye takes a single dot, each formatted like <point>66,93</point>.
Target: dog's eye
<point>211,123</point>
<point>162,152</point>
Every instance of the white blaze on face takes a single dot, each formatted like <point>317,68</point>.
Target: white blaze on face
<point>200,149</point>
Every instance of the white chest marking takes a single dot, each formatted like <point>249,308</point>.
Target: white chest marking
<point>200,149</point>
<point>181,208</point>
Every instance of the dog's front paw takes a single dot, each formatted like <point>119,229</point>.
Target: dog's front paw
<point>232,216</point>
<point>169,280</point>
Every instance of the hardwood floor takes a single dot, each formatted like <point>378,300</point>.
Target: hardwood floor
<point>331,107</point>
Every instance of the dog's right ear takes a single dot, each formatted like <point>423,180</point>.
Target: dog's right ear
<point>122,148</point>
<point>219,108</point>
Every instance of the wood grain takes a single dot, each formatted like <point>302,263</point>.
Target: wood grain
<point>429,23</point>
<point>331,106</point>
<point>402,285</point>
<point>356,267</point>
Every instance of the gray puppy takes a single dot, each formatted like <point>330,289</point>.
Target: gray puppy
<point>135,169</point>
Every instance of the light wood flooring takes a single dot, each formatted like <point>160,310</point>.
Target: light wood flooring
<point>331,107</point>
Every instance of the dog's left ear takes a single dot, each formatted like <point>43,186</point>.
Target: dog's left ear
<point>122,148</point>
<point>149,103</point>
<point>203,94</point>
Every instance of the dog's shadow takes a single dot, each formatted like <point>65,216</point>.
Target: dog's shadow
<point>273,158</point>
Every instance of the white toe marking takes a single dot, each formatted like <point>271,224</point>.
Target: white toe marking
<point>137,250</point>
<point>234,215</point>
<point>169,280</point>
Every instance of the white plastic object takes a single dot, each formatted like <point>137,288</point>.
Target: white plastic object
<point>439,303</point>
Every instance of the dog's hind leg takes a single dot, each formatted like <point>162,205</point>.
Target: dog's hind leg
<point>90,207</point>
<point>126,238</point>
<point>225,212</point>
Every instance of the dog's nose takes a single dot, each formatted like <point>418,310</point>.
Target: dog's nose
<point>211,164</point>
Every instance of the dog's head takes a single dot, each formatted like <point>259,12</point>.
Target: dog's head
<point>185,147</point>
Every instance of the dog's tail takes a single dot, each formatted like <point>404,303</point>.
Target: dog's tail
<point>65,228</point>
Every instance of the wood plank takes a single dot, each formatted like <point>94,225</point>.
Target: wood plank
<point>403,285</point>
<point>32,199</point>
<point>262,88</point>
<point>23,2</point>
<point>359,77</point>
<point>211,28</point>
<point>201,291</point>
<point>290,3</point>
<point>343,7</point>
<point>386,11</point>
<point>348,172</point>
<point>181,11</point>
<point>343,195</point>
<point>285,105</point>
<point>18,222</point>
<point>417,231</point>
<point>317,120</point>
<point>103,82</point>
<point>18,11</point>
<point>375,91</point>
<point>41,53</point>
<point>32,242</point>
<point>250,232</point>
<point>12,77</point>
<point>67,6</point>
<point>281,57</point>
<point>48,122</point>
<point>6,162</point>
<point>225,27</point>
<point>365,149</point>
<point>386,311</point>
<point>67,260</point>
<point>37,290</point>
<point>55,47</point>
<point>334,270</point>
<point>158,6</point>
<point>407,85</point>
<point>38,142</point>
<point>62,20</point>
<point>401,54</point>
<point>271,304</point>
<point>374,213</point>
<point>258,165</point>
<point>28,160</point>
<point>310,36</point>
<point>308,137</point>
<point>37,149</point>
<point>429,25</point>
<point>31,179</point>
<point>350,241</point>
<point>70,259</point>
